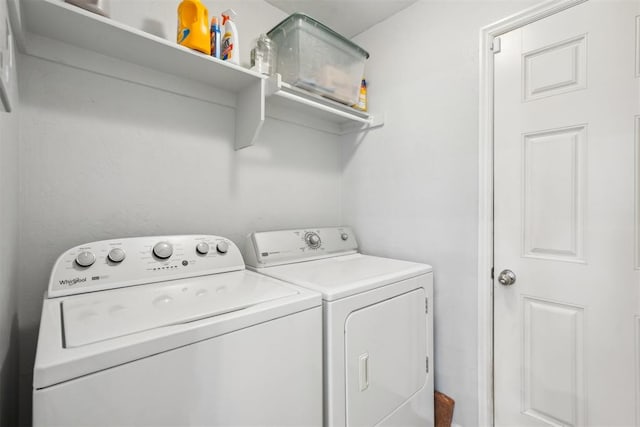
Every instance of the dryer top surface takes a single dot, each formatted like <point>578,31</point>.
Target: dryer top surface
<point>343,276</point>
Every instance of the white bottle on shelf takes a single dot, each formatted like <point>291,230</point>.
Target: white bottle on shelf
<point>230,46</point>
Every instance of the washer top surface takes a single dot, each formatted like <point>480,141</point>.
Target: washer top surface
<point>116,301</point>
<point>100,316</point>
<point>342,276</point>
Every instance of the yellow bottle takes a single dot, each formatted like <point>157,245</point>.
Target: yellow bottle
<point>362,97</point>
<point>193,26</point>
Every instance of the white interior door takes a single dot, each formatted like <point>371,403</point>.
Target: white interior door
<point>567,136</point>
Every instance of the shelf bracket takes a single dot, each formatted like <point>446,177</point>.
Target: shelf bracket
<point>249,114</point>
<point>375,121</point>
<point>273,85</point>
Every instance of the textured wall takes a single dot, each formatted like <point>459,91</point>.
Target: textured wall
<point>410,189</point>
<point>9,254</point>
<point>102,158</point>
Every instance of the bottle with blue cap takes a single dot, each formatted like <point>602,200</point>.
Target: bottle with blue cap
<point>215,38</point>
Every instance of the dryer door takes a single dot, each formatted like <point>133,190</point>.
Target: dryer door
<point>385,350</point>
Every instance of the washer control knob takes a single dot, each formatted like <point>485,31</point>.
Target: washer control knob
<point>116,255</point>
<point>163,250</point>
<point>313,240</point>
<point>85,259</point>
<point>222,247</point>
<point>202,248</point>
<point>344,236</point>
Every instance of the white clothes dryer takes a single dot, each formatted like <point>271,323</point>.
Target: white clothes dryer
<point>378,333</point>
<point>172,330</point>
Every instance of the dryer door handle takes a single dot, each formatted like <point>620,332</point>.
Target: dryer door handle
<point>364,371</point>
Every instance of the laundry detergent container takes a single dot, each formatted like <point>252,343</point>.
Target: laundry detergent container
<point>314,57</point>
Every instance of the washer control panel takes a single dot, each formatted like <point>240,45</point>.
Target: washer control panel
<point>285,246</point>
<point>117,263</point>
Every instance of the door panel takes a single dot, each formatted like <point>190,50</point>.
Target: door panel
<point>637,166</point>
<point>553,195</point>
<point>555,69</point>
<point>553,368</point>
<point>386,350</point>
<point>567,108</point>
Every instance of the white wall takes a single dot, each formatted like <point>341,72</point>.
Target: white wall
<point>8,255</point>
<point>410,188</point>
<point>103,158</point>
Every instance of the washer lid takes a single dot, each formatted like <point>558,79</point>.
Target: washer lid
<point>346,275</point>
<point>100,316</point>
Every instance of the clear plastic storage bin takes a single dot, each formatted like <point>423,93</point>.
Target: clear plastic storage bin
<point>314,57</point>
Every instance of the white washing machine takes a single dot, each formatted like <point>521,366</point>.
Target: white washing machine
<point>173,331</point>
<point>378,340</point>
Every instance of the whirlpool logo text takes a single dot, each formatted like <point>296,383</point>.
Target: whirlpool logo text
<point>74,281</point>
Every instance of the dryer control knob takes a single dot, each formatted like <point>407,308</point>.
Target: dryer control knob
<point>344,236</point>
<point>163,250</point>
<point>85,259</point>
<point>222,247</point>
<point>313,240</point>
<point>116,255</point>
<point>202,248</point>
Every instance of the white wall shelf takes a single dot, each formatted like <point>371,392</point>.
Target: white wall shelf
<point>287,103</point>
<point>69,24</point>
<point>346,118</point>
<point>152,55</point>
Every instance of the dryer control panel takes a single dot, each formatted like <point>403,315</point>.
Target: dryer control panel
<point>271,248</point>
<point>118,263</point>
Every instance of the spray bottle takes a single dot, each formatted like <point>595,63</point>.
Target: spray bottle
<point>230,46</point>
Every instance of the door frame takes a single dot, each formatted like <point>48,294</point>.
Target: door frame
<point>485,193</point>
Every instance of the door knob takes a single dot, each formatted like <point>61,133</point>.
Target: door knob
<point>507,277</point>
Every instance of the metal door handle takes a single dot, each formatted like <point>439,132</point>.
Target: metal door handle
<point>507,277</point>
